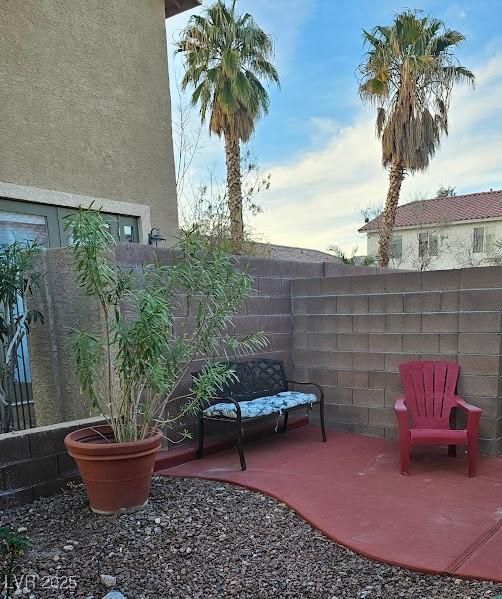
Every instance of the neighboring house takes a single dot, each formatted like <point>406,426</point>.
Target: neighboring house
<point>448,232</point>
<point>85,117</point>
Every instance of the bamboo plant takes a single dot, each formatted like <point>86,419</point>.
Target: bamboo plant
<point>132,371</point>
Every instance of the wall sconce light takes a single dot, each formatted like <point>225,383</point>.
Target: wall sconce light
<point>155,238</point>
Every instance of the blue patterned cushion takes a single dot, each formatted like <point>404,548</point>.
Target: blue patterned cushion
<point>262,406</point>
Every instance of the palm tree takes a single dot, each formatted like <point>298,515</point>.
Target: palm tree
<point>408,73</point>
<point>342,256</point>
<point>226,55</point>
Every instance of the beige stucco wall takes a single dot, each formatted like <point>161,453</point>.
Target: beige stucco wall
<point>85,104</point>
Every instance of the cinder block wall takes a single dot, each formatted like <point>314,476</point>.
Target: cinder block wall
<point>351,333</point>
<point>267,309</point>
<point>35,463</point>
<point>65,306</point>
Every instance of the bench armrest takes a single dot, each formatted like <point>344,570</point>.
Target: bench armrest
<point>402,415</point>
<point>318,387</point>
<point>227,400</point>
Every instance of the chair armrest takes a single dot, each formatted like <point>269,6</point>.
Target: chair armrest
<point>461,403</point>
<point>473,414</point>
<point>402,415</point>
<point>318,387</point>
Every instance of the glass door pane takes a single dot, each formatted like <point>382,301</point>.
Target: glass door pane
<point>23,227</point>
<point>27,221</point>
<point>128,229</point>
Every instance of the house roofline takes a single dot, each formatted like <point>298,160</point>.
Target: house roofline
<point>367,227</point>
<point>436,224</point>
<point>175,7</point>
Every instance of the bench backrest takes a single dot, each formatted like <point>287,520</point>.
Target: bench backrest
<point>256,378</point>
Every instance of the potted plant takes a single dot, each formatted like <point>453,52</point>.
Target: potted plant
<point>132,369</point>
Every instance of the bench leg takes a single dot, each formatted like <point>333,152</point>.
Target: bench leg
<point>200,449</point>
<point>452,451</point>
<point>285,422</point>
<point>240,448</point>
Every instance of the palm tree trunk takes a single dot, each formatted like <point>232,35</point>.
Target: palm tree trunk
<point>234,190</point>
<point>396,176</point>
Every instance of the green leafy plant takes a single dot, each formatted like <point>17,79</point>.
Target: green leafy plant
<point>12,546</point>
<point>339,253</point>
<point>18,278</point>
<point>352,259</point>
<point>176,313</point>
<point>206,209</point>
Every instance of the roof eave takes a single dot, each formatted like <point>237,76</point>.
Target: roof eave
<point>367,229</point>
<point>450,223</point>
<point>175,7</point>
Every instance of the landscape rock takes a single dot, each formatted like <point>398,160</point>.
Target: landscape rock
<point>108,580</point>
<point>216,541</point>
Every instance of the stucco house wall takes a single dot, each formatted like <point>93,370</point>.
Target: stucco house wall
<point>85,110</point>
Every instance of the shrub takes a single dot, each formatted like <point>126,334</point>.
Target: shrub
<point>131,372</point>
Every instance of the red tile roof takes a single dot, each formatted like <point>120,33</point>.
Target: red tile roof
<point>471,206</point>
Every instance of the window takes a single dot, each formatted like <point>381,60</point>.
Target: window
<point>489,238</point>
<point>23,227</point>
<point>483,239</point>
<point>396,246</point>
<point>127,232</point>
<point>48,224</point>
<point>478,240</point>
<point>423,244</point>
<point>433,244</point>
<point>427,244</point>
<point>128,229</point>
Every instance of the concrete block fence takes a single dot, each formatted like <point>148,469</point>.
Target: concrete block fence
<point>351,334</point>
<point>66,308</point>
<point>55,389</point>
<point>35,463</point>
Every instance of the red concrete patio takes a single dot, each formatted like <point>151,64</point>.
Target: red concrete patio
<point>436,520</point>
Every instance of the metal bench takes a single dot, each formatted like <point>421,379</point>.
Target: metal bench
<point>261,390</point>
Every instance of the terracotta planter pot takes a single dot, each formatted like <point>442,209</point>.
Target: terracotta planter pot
<point>116,476</point>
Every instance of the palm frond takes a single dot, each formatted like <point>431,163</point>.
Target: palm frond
<point>408,73</point>
<point>226,55</point>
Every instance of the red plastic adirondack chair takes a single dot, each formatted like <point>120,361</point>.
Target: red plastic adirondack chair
<point>423,412</point>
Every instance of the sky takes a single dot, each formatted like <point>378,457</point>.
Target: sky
<point>318,142</point>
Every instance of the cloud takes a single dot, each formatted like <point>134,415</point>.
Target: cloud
<point>454,12</point>
<point>317,195</point>
<point>275,17</point>
<point>316,198</point>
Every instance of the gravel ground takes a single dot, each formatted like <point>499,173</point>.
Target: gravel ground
<point>201,539</point>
